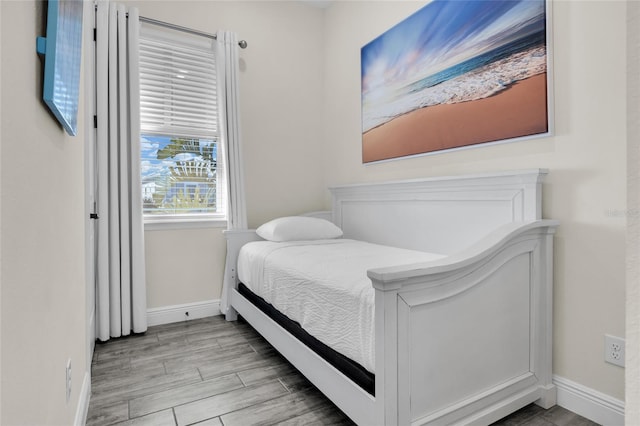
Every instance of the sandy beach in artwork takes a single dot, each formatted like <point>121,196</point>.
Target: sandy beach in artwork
<point>520,110</point>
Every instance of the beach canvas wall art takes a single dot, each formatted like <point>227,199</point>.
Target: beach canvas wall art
<point>455,74</point>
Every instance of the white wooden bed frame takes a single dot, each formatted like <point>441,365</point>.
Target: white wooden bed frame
<point>462,340</point>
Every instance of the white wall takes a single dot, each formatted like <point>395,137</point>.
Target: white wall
<point>0,222</point>
<point>280,99</point>
<point>42,228</point>
<point>191,274</point>
<point>586,187</point>
<point>632,377</point>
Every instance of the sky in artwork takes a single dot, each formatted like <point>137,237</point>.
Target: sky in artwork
<point>443,34</point>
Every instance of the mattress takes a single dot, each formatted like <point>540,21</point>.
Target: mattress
<point>323,285</point>
<point>354,371</point>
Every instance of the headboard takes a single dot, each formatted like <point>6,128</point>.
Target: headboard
<point>439,214</point>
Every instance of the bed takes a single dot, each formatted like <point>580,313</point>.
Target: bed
<point>461,326</point>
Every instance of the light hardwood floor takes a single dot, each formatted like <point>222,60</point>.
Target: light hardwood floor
<point>212,372</point>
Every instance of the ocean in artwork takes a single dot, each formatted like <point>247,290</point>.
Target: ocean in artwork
<point>451,52</point>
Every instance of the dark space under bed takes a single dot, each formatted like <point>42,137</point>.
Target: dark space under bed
<point>346,366</point>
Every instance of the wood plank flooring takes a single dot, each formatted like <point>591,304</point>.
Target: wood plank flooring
<point>212,372</point>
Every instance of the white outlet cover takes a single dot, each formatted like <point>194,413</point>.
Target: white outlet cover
<point>614,350</point>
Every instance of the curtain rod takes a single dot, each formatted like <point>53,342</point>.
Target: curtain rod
<point>241,43</point>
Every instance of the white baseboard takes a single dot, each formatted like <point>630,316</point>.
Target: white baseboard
<point>83,402</point>
<point>92,338</point>
<point>589,403</point>
<point>177,313</point>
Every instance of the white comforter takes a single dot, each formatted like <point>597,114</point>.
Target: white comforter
<point>323,285</point>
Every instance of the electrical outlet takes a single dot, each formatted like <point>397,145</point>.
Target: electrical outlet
<point>68,380</point>
<point>614,350</point>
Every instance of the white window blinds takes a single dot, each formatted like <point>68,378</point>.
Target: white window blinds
<point>178,93</point>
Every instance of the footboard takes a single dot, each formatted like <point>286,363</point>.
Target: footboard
<point>467,339</point>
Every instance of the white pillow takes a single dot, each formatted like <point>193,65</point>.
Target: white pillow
<point>297,228</point>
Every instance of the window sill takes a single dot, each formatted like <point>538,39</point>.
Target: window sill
<point>163,224</point>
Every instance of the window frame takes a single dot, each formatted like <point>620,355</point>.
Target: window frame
<point>216,219</point>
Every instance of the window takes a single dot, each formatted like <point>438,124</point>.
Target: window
<point>182,176</point>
